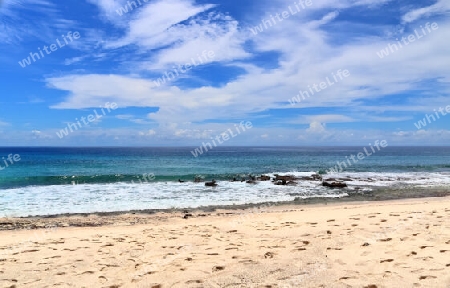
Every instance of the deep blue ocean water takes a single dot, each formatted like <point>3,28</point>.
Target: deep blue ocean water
<point>60,180</point>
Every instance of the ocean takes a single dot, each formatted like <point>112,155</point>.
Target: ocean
<point>50,181</point>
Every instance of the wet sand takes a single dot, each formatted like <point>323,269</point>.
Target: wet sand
<point>398,243</point>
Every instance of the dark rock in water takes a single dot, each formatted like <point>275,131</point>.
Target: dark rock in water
<point>251,182</point>
<point>306,178</point>
<point>330,180</point>
<point>346,179</point>
<point>317,177</point>
<point>253,178</point>
<point>211,184</point>
<point>280,182</point>
<point>181,181</point>
<point>284,182</point>
<point>264,178</point>
<point>334,184</point>
<point>286,178</point>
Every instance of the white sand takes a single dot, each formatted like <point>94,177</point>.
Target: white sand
<point>407,245</point>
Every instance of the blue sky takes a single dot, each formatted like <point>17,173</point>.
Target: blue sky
<point>123,49</point>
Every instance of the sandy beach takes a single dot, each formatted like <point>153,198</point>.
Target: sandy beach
<point>401,243</point>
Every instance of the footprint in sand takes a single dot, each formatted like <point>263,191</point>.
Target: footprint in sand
<point>385,240</point>
<point>29,251</point>
<point>218,268</point>
<point>248,261</point>
<point>194,282</point>
<point>427,277</point>
<point>299,249</point>
<point>386,260</point>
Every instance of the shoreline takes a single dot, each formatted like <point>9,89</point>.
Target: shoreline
<point>157,196</point>
<point>137,217</point>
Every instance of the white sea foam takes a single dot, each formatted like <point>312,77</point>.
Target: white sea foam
<point>86,198</point>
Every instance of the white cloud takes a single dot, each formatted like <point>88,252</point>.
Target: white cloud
<point>308,54</point>
<point>328,118</point>
<point>150,132</point>
<point>108,10</point>
<point>163,17</point>
<point>14,29</point>
<point>326,19</point>
<point>316,127</point>
<point>440,7</point>
<point>70,61</point>
<point>183,28</point>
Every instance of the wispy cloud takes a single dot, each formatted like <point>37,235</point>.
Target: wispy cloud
<point>4,123</point>
<point>440,7</point>
<point>251,76</point>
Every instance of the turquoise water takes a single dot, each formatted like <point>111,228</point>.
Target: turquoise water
<point>45,179</point>
<point>54,166</point>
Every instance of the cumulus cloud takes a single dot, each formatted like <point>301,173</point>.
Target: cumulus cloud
<point>316,127</point>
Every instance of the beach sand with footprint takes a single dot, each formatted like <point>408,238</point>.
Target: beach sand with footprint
<point>403,243</point>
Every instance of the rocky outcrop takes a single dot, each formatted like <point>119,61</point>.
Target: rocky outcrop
<point>284,182</point>
<point>264,178</point>
<point>211,184</point>
<point>286,178</point>
<point>317,177</point>
<point>334,184</point>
